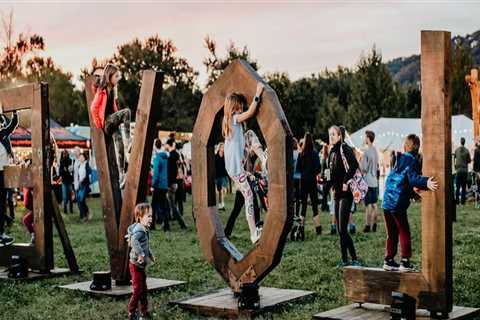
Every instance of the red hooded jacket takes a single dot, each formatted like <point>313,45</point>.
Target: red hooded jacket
<point>98,106</point>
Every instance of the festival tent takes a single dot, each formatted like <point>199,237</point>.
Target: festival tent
<point>390,133</point>
<point>64,139</point>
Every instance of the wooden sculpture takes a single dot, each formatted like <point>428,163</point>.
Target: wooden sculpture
<point>238,270</point>
<point>37,176</point>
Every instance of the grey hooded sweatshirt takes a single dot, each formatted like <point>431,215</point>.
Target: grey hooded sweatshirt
<point>138,238</point>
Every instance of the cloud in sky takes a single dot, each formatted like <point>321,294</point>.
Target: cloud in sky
<point>297,37</point>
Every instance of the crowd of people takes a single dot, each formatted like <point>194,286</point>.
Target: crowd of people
<point>326,170</point>
<point>329,170</point>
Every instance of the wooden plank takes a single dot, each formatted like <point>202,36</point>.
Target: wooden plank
<point>136,187</point>
<point>153,285</point>
<point>18,98</point>
<point>378,312</point>
<point>18,177</point>
<point>41,178</point>
<point>107,171</point>
<point>63,235</point>
<point>376,285</point>
<point>222,303</point>
<point>24,250</point>
<point>32,275</point>
<point>437,206</point>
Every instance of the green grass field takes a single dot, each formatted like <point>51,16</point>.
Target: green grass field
<point>309,265</point>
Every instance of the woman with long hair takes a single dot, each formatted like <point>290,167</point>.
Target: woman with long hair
<point>343,165</point>
<point>308,165</point>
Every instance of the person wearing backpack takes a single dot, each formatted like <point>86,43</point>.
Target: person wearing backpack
<point>404,176</point>
<point>342,166</point>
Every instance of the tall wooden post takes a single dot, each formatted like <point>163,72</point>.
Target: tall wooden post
<point>41,172</point>
<point>472,81</point>
<point>437,147</point>
<point>118,213</point>
<point>136,186</point>
<point>107,170</point>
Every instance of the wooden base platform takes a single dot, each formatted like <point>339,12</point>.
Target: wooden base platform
<point>378,312</point>
<point>33,275</point>
<point>222,303</point>
<point>153,284</point>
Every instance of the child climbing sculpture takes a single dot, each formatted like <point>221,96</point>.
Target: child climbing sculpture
<point>235,148</point>
<point>105,113</point>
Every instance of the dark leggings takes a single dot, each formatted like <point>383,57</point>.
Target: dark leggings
<point>3,204</point>
<point>298,199</point>
<point>342,214</point>
<point>309,188</point>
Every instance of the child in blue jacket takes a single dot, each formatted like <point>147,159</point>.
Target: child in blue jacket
<point>404,176</point>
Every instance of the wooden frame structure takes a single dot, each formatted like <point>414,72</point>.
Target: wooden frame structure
<point>118,213</point>
<point>432,287</point>
<point>473,83</point>
<point>232,266</point>
<point>45,209</point>
<point>238,270</point>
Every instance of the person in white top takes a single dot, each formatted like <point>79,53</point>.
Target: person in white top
<point>232,130</point>
<point>369,167</point>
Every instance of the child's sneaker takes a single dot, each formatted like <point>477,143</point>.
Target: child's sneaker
<point>356,263</point>
<point>256,236</point>
<point>352,228</point>
<point>406,266</point>
<point>5,240</point>
<point>390,265</point>
<point>333,229</point>
<point>342,264</point>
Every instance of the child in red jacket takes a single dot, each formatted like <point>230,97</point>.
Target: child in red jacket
<point>106,115</point>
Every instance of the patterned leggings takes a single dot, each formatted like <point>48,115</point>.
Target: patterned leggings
<point>241,181</point>
<point>112,127</point>
<point>252,144</point>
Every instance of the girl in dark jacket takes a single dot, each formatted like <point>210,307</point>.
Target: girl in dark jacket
<point>342,195</point>
<point>308,165</point>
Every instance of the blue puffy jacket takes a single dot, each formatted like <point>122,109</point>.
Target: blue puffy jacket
<point>404,175</point>
<point>160,170</point>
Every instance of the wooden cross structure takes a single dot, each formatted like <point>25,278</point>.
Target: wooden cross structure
<point>118,211</point>
<point>37,176</point>
<point>235,268</point>
<point>472,81</point>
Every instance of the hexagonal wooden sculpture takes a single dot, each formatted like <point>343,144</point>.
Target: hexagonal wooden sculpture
<point>232,266</point>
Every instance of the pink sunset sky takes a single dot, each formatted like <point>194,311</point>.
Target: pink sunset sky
<point>298,37</point>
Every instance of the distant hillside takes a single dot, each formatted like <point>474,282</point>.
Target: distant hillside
<point>407,69</point>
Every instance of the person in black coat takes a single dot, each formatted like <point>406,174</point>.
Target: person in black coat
<point>338,176</point>
<point>308,165</point>
<point>66,173</point>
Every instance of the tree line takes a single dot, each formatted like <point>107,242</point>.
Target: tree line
<point>352,96</point>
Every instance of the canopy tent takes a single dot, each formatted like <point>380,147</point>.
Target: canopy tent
<point>390,133</point>
<point>21,137</point>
